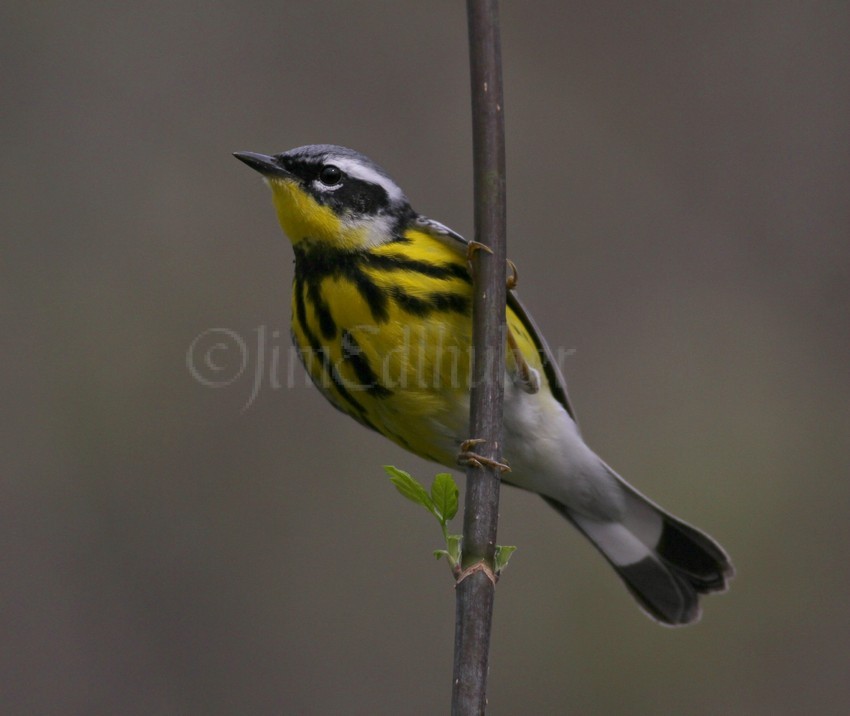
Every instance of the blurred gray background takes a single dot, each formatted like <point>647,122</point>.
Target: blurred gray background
<point>678,208</point>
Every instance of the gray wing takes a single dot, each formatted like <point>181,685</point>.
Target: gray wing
<point>552,370</point>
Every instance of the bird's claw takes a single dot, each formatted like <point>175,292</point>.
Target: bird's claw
<point>467,457</point>
<point>513,279</point>
<point>471,248</point>
<point>525,375</point>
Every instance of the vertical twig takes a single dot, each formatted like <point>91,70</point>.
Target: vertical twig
<point>475,590</point>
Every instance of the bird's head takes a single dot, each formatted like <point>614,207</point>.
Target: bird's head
<point>332,196</point>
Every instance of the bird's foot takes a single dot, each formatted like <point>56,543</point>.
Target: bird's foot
<point>467,457</point>
<point>471,248</point>
<point>513,279</point>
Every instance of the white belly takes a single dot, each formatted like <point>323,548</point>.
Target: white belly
<point>547,455</point>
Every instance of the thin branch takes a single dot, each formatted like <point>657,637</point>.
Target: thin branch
<point>476,587</point>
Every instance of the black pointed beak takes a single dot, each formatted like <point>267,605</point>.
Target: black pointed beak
<point>267,165</point>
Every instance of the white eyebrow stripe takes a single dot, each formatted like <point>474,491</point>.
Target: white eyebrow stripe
<point>360,171</point>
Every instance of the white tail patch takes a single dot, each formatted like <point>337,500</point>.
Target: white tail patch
<point>615,540</point>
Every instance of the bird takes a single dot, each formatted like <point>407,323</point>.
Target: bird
<point>381,319</point>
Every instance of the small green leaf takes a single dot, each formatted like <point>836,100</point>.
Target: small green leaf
<point>409,487</point>
<point>453,547</point>
<point>441,553</point>
<point>444,494</point>
<point>503,554</point>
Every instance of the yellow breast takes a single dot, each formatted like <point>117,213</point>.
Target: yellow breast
<point>386,335</point>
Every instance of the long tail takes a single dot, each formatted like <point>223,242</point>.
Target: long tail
<point>665,563</point>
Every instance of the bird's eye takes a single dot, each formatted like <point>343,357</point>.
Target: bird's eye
<point>330,175</point>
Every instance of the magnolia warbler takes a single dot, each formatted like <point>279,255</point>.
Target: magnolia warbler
<point>381,317</point>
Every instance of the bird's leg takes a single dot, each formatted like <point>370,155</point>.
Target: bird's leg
<point>467,457</point>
